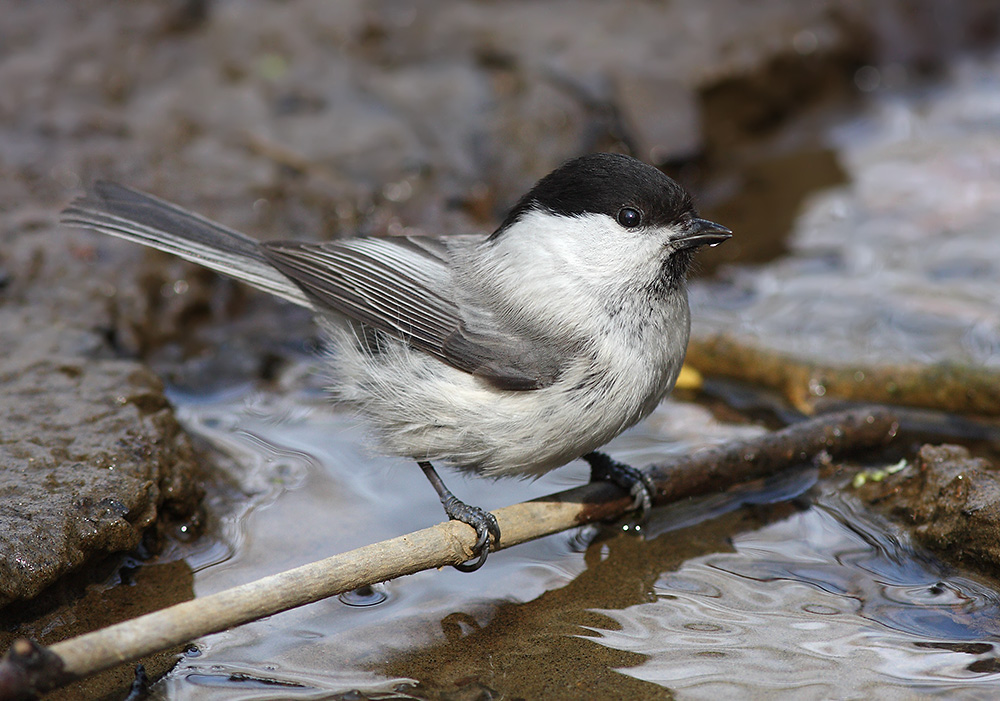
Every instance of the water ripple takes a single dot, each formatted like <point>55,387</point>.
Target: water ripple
<point>826,603</point>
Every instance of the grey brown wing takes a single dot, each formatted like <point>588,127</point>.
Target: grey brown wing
<point>403,287</point>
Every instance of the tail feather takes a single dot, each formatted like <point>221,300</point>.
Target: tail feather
<point>135,216</point>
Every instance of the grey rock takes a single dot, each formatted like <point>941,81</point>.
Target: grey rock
<point>90,456</point>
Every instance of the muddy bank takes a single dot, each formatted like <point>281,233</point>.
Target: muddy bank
<point>91,455</point>
<point>129,588</point>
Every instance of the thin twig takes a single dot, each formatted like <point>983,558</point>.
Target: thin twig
<point>30,669</point>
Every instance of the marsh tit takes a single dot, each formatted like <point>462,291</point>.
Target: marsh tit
<point>504,355</point>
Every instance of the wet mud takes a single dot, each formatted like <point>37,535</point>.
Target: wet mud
<point>950,501</point>
<point>105,592</point>
<point>92,457</point>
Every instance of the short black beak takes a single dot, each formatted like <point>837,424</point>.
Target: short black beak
<point>701,232</point>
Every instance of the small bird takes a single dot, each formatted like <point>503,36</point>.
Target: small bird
<point>502,355</point>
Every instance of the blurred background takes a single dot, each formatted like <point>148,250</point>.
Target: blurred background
<point>853,149</point>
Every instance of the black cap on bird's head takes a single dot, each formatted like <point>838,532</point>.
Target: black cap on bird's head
<point>635,194</point>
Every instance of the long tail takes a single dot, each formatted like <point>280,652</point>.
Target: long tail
<point>135,216</point>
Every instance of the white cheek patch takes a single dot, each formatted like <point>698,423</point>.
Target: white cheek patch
<point>592,248</point>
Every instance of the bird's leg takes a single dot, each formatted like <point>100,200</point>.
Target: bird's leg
<point>483,521</point>
<point>633,481</point>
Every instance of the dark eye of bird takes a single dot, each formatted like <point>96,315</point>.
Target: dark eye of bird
<point>629,217</point>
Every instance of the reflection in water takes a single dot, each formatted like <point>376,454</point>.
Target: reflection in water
<point>769,590</point>
<point>825,603</point>
<point>899,265</point>
<point>368,595</point>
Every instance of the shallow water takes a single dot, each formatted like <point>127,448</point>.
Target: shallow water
<point>741,594</point>
<point>823,604</point>
<point>901,263</point>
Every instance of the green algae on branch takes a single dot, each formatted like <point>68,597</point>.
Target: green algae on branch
<point>950,387</point>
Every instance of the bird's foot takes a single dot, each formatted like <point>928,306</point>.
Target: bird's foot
<point>485,524</point>
<point>481,520</point>
<point>635,482</point>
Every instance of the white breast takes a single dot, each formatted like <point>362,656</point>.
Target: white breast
<point>584,282</point>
